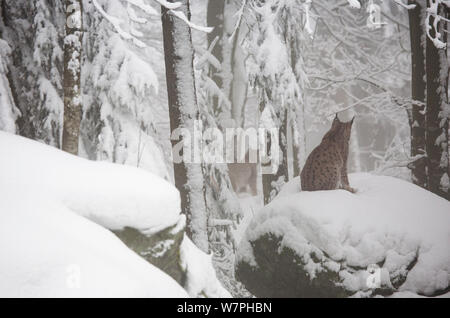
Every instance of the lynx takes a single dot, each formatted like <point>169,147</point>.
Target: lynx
<point>326,166</point>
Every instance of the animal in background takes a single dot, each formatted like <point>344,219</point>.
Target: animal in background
<point>326,166</point>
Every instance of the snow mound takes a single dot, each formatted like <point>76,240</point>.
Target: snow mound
<point>55,213</point>
<point>201,280</point>
<point>113,196</point>
<point>49,251</point>
<point>391,235</point>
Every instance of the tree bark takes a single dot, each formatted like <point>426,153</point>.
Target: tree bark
<point>214,18</point>
<point>436,139</point>
<point>418,90</point>
<point>72,75</point>
<point>183,110</point>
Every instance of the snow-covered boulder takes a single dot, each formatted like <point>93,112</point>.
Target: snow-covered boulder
<point>390,238</point>
<point>47,250</point>
<point>57,217</point>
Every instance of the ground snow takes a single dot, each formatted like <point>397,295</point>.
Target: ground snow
<point>49,251</point>
<point>55,213</point>
<point>388,221</point>
<point>201,276</point>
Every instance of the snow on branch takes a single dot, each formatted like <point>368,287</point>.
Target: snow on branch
<point>433,10</point>
<point>183,17</point>
<point>169,5</point>
<point>144,7</point>
<point>207,56</point>
<point>134,17</point>
<point>148,9</point>
<point>239,14</point>
<point>116,24</point>
<point>406,6</point>
<point>354,4</point>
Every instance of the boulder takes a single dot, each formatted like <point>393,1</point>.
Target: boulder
<point>390,237</point>
<point>161,249</point>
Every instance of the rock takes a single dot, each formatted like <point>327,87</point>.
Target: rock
<point>161,249</point>
<point>391,237</point>
<point>280,273</point>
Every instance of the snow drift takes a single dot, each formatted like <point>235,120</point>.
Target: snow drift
<point>111,195</point>
<point>56,214</point>
<point>48,251</point>
<point>391,236</point>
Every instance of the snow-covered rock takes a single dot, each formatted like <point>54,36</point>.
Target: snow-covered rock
<point>113,196</point>
<point>57,217</point>
<point>47,250</point>
<point>389,237</point>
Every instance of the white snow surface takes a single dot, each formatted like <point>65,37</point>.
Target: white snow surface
<point>388,221</point>
<point>113,196</point>
<point>49,251</point>
<point>56,214</point>
<point>201,276</point>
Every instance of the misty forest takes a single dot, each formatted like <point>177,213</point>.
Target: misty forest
<point>224,148</point>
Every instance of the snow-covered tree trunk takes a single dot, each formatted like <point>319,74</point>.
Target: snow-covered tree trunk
<point>183,110</point>
<point>72,76</point>
<point>418,90</point>
<point>271,183</point>
<point>355,152</point>
<point>215,17</point>
<point>298,118</point>
<point>8,110</point>
<point>235,77</point>
<point>436,142</point>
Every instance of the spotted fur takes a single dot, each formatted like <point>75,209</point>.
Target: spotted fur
<point>326,166</point>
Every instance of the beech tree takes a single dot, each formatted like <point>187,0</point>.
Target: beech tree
<point>418,91</point>
<point>183,110</point>
<point>437,111</point>
<point>215,15</point>
<point>72,76</point>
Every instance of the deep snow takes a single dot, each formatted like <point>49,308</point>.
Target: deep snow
<point>114,196</point>
<point>56,214</point>
<point>388,221</point>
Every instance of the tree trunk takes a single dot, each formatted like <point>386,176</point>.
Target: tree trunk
<point>298,138</point>
<point>72,75</point>
<point>298,118</point>
<point>418,90</point>
<point>235,81</point>
<point>183,110</point>
<point>214,18</point>
<point>436,118</point>
<point>355,152</point>
<point>295,152</point>
<point>272,182</point>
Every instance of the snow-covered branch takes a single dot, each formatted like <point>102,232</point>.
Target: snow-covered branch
<point>183,17</point>
<point>116,24</point>
<point>239,14</point>
<point>406,6</point>
<point>433,27</point>
<point>147,9</point>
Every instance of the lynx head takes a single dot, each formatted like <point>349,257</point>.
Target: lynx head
<point>339,131</point>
